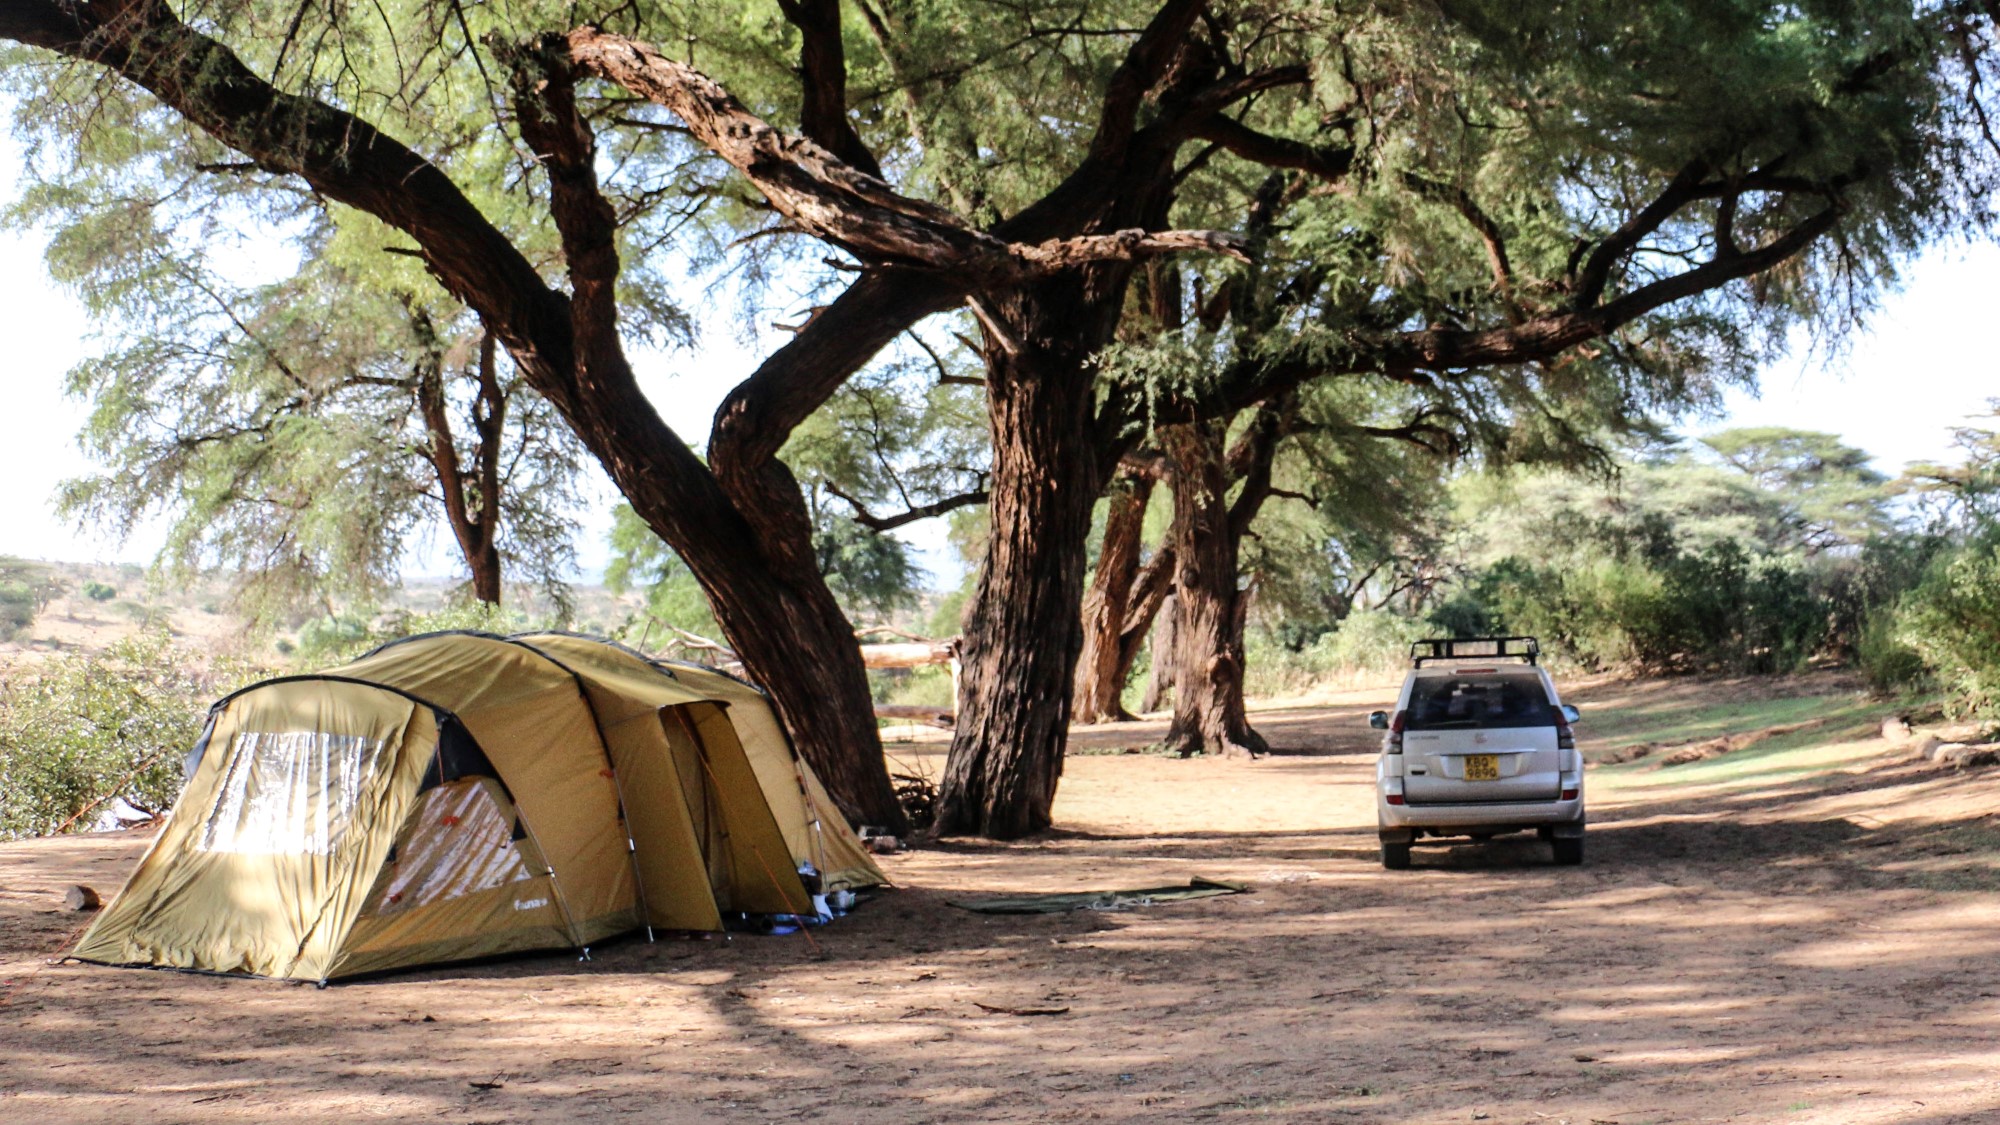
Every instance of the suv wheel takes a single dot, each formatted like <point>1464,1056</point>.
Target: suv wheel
<point>1396,857</point>
<point>1569,850</point>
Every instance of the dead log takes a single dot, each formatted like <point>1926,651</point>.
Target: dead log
<point>912,654</point>
<point>940,717</point>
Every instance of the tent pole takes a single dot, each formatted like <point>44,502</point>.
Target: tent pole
<point>555,884</point>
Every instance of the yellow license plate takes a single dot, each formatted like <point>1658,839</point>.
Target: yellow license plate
<point>1482,767</point>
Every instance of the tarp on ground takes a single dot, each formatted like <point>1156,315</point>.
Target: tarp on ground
<point>1196,887</point>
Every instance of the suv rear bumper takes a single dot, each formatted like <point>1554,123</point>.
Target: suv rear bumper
<point>1403,823</point>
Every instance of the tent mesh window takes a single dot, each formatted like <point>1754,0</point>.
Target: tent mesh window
<point>289,793</point>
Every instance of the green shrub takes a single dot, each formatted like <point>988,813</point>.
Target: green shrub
<point>1889,664</point>
<point>99,591</point>
<point>333,639</point>
<point>1367,642</point>
<point>1715,609</point>
<point>1952,621</point>
<point>17,609</point>
<point>929,686</point>
<point>88,729</point>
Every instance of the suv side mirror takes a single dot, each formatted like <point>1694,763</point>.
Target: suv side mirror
<point>1379,720</point>
<point>1570,714</point>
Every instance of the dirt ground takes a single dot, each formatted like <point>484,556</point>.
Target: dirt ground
<point>1808,934</point>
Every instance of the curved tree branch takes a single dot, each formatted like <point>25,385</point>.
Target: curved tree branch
<point>917,512</point>
<point>834,201</point>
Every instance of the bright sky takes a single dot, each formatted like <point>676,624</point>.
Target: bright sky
<point>1920,369</point>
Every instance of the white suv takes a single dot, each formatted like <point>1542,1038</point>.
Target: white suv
<point>1479,745</point>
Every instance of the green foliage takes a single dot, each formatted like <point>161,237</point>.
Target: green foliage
<point>1967,493</point>
<point>327,641</point>
<point>26,588</point>
<point>641,561</point>
<point>1713,609</point>
<point>99,591</point>
<point>1890,664</point>
<point>1754,551</point>
<point>886,443</point>
<point>1952,622</point>
<point>1367,643</point>
<point>17,609</point>
<point>1830,497</point>
<point>331,640</point>
<point>895,439</point>
<point>84,730</point>
<point>1757,563</point>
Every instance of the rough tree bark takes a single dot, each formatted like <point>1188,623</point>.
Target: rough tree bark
<point>1023,632</point>
<point>1100,670</point>
<point>1160,677</point>
<point>1053,448</point>
<point>1152,593</point>
<point>1210,716</point>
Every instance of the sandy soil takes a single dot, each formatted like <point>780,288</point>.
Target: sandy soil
<point>1814,942</point>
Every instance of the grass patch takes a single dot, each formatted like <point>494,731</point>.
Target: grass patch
<point>1834,720</point>
<point>1676,720</point>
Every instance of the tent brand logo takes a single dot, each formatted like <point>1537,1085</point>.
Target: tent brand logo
<point>530,904</point>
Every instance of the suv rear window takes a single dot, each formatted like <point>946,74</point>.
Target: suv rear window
<point>1478,702</point>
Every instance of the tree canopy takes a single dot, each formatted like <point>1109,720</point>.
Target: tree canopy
<point>1597,205</point>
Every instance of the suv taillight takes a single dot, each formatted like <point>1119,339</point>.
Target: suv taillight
<point>1565,738</point>
<point>1393,744</point>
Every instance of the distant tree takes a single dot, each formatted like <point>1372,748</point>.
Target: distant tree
<point>1965,494</point>
<point>1831,496</point>
<point>305,434</point>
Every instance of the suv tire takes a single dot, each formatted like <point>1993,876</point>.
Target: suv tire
<point>1568,849</point>
<point>1396,857</point>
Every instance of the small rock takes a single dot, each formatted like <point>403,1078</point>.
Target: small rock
<point>1895,729</point>
<point>80,898</point>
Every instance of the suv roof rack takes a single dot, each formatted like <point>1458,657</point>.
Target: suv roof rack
<point>1474,648</point>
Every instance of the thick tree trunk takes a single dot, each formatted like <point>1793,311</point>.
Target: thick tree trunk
<point>1025,629</point>
<point>1209,711</point>
<point>1160,677</point>
<point>1151,593</point>
<point>1100,671</point>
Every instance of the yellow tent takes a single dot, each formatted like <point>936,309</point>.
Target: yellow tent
<point>460,795</point>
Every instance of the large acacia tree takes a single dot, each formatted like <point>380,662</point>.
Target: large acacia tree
<point>1019,161</point>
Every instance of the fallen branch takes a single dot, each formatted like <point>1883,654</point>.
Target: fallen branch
<point>940,717</point>
<point>1000,1011</point>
